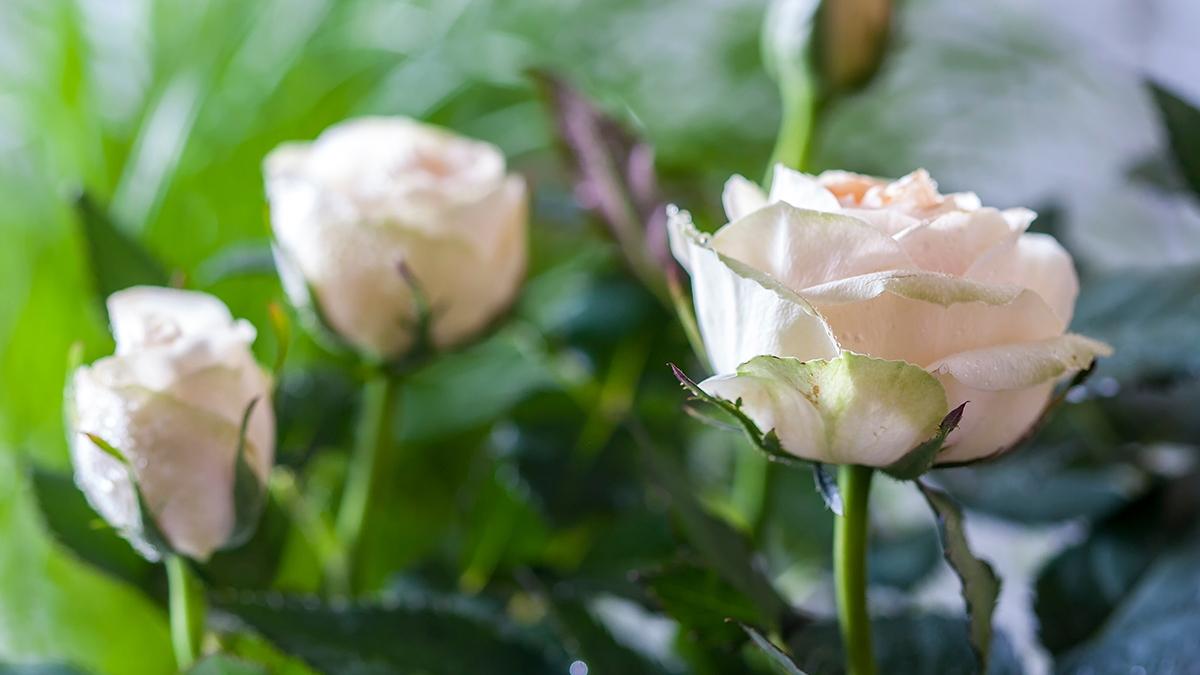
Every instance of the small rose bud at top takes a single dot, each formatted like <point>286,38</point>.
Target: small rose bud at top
<point>851,40</point>
<point>170,402</point>
<point>851,314</point>
<point>373,196</point>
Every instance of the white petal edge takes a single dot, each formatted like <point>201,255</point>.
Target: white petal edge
<point>741,197</point>
<point>801,191</point>
<point>801,247</point>
<point>743,313</point>
<point>1018,366</point>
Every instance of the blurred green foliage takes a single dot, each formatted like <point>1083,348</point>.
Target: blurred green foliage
<point>524,499</point>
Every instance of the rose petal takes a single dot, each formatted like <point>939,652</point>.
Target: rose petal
<point>1034,261</point>
<point>852,409</point>
<point>993,420</point>
<point>183,458</point>
<point>741,197</point>
<point>950,243</point>
<point>743,313</point>
<point>921,317</point>
<point>801,191</point>
<point>1021,365</point>
<point>1008,388</point>
<point>803,248</point>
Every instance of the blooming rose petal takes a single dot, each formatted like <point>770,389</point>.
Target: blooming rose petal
<point>801,191</point>
<point>1007,386</point>
<point>852,409</point>
<point>742,197</point>
<point>1037,262</point>
<point>1015,366</point>
<point>803,248</point>
<point>921,317</point>
<point>993,421</point>
<point>743,313</point>
<point>950,243</point>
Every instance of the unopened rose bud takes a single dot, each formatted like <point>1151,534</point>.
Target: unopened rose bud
<point>156,429</point>
<point>374,196</point>
<point>850,315</point>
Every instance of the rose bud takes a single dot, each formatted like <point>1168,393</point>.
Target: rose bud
<point>160,438</point>
<point>851,314</point>
<point>381,219</point>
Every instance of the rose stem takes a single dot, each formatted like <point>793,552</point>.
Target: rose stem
<point>367,468</point>
<point>850,569</point>
<point>186,597</point>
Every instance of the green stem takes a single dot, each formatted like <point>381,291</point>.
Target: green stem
<point>367,467</point>
<point>850,569</point>
<point>796,128</point>
<point>186,597</point>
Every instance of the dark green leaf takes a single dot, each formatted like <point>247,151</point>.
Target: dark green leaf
<point>1154,631</point>
<point>1079,590</point>
<point>922,643</point>
<point>117,261</point>
<point>700,600</point>
<point>780,663</point>
<point>903,557</point>
<point>75,525</point>
<point>237,260</point>
<point>253,564</point>
<point>587,640</point>
<point>980,585</point>
<point>470,388</point>
<point>921,458</point>
<point>1182,121</point>
<point>434,635</point>
<point>722,547</point>
<point>226,665</point>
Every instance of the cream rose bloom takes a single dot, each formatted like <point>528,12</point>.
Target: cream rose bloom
<point>372,194</point>
<point>171,400</point>
<point>849,314</point>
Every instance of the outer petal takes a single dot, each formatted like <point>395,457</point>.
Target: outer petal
<point>853,409</point>
<point>743,313</point>
<point>1034,261</point>
<point>741,197</point>
<point>1008,388</point>
<point>801,191</point>
<point>183,459</point>
<point>950,243</point>
<point>468,291</point>
<point>803,248</point>
<point>174,333</point>
<point>921,317</point>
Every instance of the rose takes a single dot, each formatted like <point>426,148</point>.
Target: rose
<point>850,314</point>
<point>161,420</point>
<point>374,194</point>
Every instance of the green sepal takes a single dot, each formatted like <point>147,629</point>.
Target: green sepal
<point>249,491</point>
<point>980,585</point>
<point>920,459</point>
<point>767,442</point>
<point>151,534</point>
<point>308,308</point>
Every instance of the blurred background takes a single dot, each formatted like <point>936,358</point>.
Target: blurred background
<point>526,525</point>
